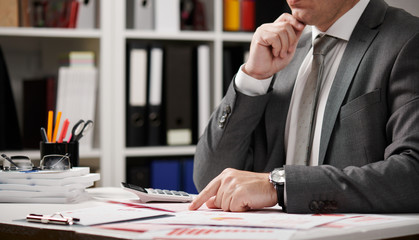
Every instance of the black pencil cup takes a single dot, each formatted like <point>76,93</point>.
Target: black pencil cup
<point>71,148</point>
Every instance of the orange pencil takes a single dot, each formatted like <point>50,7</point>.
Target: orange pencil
<point>57,124</point>
<point>49,127</point>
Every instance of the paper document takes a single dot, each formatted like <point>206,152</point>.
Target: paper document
<point>111,213</point>
<point>200,233</point>
<point>45,174</point>
<point>249,219</point>
<point>364,220</point>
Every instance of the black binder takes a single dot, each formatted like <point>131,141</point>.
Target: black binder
<point>233,58</point>
<point>180,94</point>
<point>156,129</point>
<point>10,138</point>
<point>39,96</point>
<point>136,93</point>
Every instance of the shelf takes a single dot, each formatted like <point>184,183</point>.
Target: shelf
<point>181,35</point>
<point>160,151</point>
<point>35,155</point>
<point>237,36</point>
<point>49,32</point>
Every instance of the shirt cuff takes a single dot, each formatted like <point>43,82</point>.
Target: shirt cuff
<point>251,86</point>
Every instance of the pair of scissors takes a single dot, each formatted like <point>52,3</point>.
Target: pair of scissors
<point>79,129</point>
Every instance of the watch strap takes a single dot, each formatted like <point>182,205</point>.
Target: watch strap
<point>280,193</point>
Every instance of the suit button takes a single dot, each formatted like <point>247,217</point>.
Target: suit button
<point>321,205</point>
<point>223,118</point>
<point>227,109</point>
<point>314,206</point>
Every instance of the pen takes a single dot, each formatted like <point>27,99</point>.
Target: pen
<point>44,135</point>
<point>49,127</point>
<point>57,125</point>
<point>63,131</point>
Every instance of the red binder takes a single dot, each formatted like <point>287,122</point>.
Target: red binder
<point>248,15</point>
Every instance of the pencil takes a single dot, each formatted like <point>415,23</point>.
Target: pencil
<point>57,125</point>
<point>49,127</point>
<point>63,131</point>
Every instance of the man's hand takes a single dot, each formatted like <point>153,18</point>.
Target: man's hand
<point>237,191</point>
<point>273,46</point>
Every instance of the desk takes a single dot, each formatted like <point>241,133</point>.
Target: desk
<point>13,226</point>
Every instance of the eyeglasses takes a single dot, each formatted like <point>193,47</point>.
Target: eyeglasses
<point>17,163</point>
<point>48,162</point>
<point>55,162</point>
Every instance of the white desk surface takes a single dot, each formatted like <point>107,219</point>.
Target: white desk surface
<point>12,219</point>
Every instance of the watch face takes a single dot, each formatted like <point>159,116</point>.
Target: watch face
<point>278,176</point>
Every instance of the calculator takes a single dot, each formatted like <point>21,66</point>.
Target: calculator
<point>157,195</point>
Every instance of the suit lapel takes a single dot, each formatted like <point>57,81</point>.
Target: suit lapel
<point>361,38</point>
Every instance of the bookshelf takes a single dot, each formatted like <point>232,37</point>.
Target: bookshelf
<point>215,37</point>
<point>108,41</point>
<point>32,52</point>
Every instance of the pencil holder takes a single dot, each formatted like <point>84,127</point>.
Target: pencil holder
<point>71,149</point>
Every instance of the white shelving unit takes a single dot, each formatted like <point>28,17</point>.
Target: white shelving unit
<point>98,40</point>
<point>110,40</point>
<point>215,38</point>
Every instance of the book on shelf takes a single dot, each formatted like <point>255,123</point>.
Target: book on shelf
<point>52,14</point>
<point>247,15</point>
<point>162,93</point>
<point>9,13</point>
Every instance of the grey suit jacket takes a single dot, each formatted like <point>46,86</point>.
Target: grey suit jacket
<point>369,150</point>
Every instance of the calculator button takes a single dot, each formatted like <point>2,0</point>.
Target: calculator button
<point>167,192</point>
<point>184,193</point>
<point>159,191</point>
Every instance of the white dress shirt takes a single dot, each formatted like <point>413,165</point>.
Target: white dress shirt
<point>341,29</point>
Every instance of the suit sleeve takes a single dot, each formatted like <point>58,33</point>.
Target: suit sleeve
<point>389,185</point>
<point>227,141</point>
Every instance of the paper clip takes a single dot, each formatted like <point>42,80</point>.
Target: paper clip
<point>56,218</point>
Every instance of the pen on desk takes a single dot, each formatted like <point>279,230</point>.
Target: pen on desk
<point>57,125</point>
<point>10,160</point>
<point>44,135</point>
<point>63,131</point>
<point>49,127</point>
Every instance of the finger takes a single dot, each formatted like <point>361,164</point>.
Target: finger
<point>238,206</point>
<point>219,198</point>
<point>210,190</point>
<point>286,17</point>
<point>226,201</point>
<point>210,203</point>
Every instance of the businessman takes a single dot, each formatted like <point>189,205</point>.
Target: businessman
<point>346,140</point>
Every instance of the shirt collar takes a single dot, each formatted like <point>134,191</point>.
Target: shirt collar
<point>345,25</point>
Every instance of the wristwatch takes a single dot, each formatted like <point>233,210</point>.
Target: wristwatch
<point>277,178</point>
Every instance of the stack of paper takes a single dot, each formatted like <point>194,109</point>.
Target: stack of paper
<point>66,186</point>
